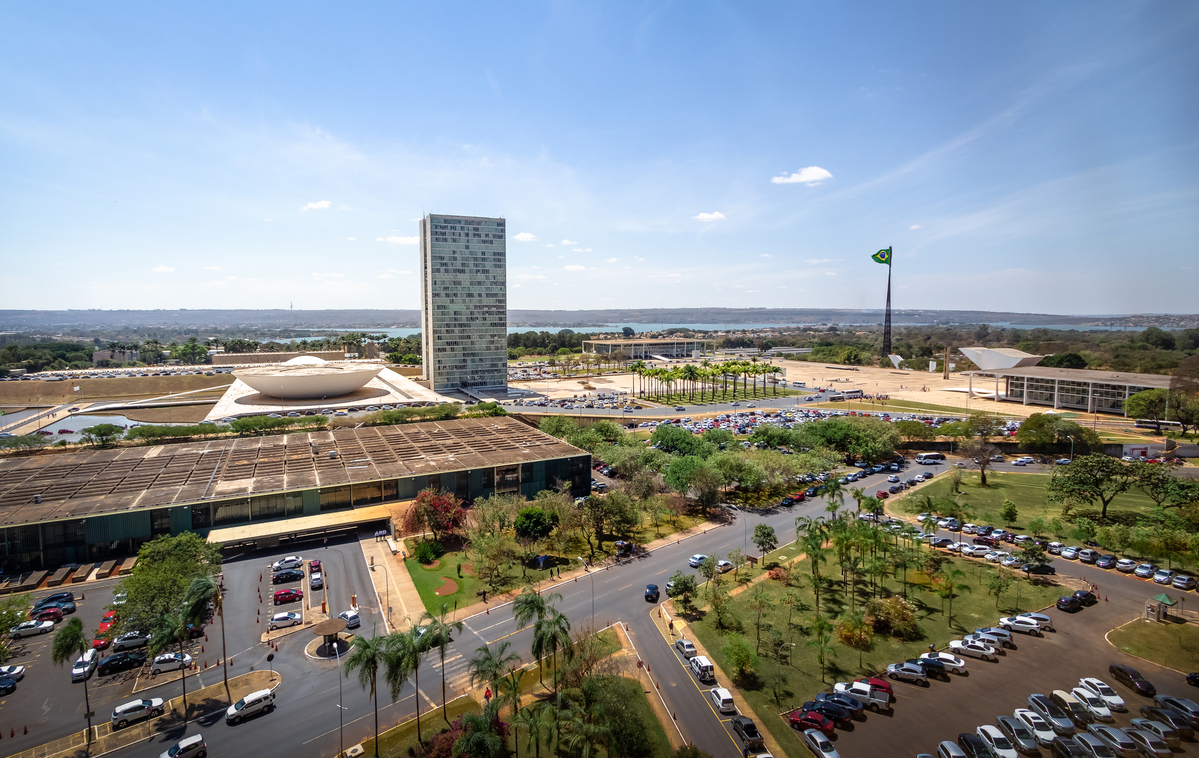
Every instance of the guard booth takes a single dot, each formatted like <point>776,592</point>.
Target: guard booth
<point>1158,607</point>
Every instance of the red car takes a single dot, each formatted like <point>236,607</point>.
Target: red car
<point>288,596</point>
<point>314,565</point>
<point>107,622</point>
<point>101,643</point>
<point>882,494</point>
<point>880,684</point>
<point>799,497</point>
<point>49,613</point>
<point>812,720</point>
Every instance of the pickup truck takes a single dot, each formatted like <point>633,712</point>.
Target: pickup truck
<point>872,697</point>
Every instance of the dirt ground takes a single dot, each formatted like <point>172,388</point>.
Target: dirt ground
<point>179,414</point>
<point>91,390</point>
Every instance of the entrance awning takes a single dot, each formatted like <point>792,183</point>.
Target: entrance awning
<point>1165,599</point>
<point>263,530</point>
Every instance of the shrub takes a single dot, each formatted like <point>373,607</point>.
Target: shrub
<point>428,551</point>
<point>894,616</point>
<point>781,574</point>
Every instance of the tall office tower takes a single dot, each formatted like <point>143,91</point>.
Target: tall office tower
<point>464,301</point>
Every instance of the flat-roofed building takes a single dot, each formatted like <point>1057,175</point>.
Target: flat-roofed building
<point>464,302</point>
<point>662,347</point>
<point>1074,389</point>
<point>89,505</point>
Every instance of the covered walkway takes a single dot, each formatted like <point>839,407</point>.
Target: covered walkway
<point>265,534</point>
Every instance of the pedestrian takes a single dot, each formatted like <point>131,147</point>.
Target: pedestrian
<point>487,695</point>
<point>326,543</point>
<point>484,596</point>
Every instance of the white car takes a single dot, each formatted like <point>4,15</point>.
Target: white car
<point>290,562</point>
<point>170,662</point>
<point>696,559</point>
<point>724,566</point>
<point>1040,728</point>
<point>351,618</point>
<point>974,550</point>
<point>1055,548</point>
<point>722,700</point>
<point>286,619</point>
<point>956,547</point>
<point>1010,560</point>
<point>973,649</point>
<point>969,528</point>
<point>30,628</point>
<point>1095,704</point>
<point>1042,620</point>
<point>909,672</point>
<point>985,639</point>
<point>1021,624</point>
<point>950,662</point>
<point>1000,745</point>
<point>1101,688</point>
<point>16,673</point>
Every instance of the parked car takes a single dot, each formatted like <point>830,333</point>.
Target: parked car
<point>1018,734</point>
<point>1132,679</point>
<point>837,714</point>
<point>1106,561</point>
<point>1074,708</point>
<point>1085,597</point>
<point>908,672</point>
<point>1002,635</point>
<point>82,669</point>
<point>874,698</point>
<point>1162,731</point>
<point>1163,576</point>
<point>685,647</point>
<point>930,667</point>
<point>801,721</point>
<point>1042,569</point>
<point>290,562</point>
<point>1093,703</point>
<point>1183,582</point>
<point>1057,718</point>
<point>1042,620</point>
<point>1149,744</point>
<point>1145,570</point>
<point>818,742</point>
<point>285,619</point>
<point>288,596</point>
<point>170,662</point>
<point>1069,603</point>
<point>121,662</point>
<point>1021,624</point>
<point>745,728</point>
<point>136,710</point>
<point>1041,729</point>
<point>287,575</point>
<point>722,700</point>
<point>696,559</point>
<point>30,628</point>
<point>1115,738</point>
<point>973,746</point>
<point>1185,706</point>
<point>130,640</point>
<point>1171,718</point>
<point>1126,565</point>
<point>973,650</point>
<point>950,661</point>
<point>998,743</point>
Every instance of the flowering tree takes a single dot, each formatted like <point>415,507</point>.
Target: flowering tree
<point>436,512</point>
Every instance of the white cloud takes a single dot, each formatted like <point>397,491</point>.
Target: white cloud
<point>581,250</point>
<point>560,257</point>
<point>750,292</point>
<point>320,275</point>
<point>317,206</point>
<point>914,227</point>
<point>830,273</point>
<point>529,276</point>
<point>818,261</point>
<point>212,268</point>
<point>613,260</point>
<point>352,239</point>
<point>399,240</point>
<point>705,217</point>
<point>568,242</point>
<point>515,286</point>
<point>811,175</point>
<point>525,237</point>
<point>384,275</point>
<point>231,278</point>
<point>574,267</point>
<point>765,255</point>
<point>163,270</point>
<point>639,260</point>
<point>549,244</point>
<point>268,219</point>
<point>782,286</point>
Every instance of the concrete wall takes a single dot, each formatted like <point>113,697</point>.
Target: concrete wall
<point>229,359</point>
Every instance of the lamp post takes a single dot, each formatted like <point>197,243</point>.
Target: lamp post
<point>588,568</point>
<point>1071,448</point>
<point>744,530</point>
<point>341,709</point>
<point>779,682</point>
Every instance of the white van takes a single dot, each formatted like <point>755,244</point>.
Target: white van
<point>722,700</point>
<point>262,701</point>
<point>702,668</point>
<point>84,667</point>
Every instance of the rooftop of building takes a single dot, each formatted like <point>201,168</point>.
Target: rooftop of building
<point>1084,375</point>
<point>640,340</point>
<point>95,482</point>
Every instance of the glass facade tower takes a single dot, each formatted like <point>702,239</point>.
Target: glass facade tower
<point>464,301</point>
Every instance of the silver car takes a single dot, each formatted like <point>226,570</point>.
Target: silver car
<point>1115,738</point>
<point>908,672</point>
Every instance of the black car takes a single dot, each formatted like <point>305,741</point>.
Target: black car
<point>848,702</point>
<point>57,597</point>
<point>1086,598</point>
<point>8,685</point>
<point>940,542</point>
<point>811,491</point>
<point>974,746</point>
<point>1132,679</point>
<point>123,661</point>
<point>651,593</point>
<point>788,500</point>
<point>748,732</point>
<point>1176,720</point>
<point>931,667</point>
<point>1069,603</point>
<point>1106,561</point>
<point>1193,679</point>
<point>287,575</point>
<point>1039,568</point>
<point>839,715</point>
<point>911,482</point>
<point>64,606</point>
<point>1067,749</point>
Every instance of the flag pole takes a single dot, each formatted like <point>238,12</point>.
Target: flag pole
<point>887,316</point>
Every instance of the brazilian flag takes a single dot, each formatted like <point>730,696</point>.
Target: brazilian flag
<point>883,256</point>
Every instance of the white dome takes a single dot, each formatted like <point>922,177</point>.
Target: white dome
<point>308,380</point>
<point>304,360</point>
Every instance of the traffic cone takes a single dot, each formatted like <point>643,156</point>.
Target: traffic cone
<point>1105,598</point>
<point>26,729</point>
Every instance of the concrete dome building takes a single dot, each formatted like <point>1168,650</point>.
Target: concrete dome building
<point>307,377</point>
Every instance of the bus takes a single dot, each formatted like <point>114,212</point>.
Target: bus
<point>927,458</point>
<point>1148,423</point>
<point>846,395</point>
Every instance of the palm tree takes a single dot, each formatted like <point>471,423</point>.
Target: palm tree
<point>857,493</point>
<point>950,577</point>
<point>583,733</point>
<point>550,635</point>
<point>821,641</point>
<point>68,642</point>
<point>367,655</point>
<point>479,738</point>
<point>639,368</point>
<point>202,592</point>
<point>170,628</point>
<point>441,630</point>
<point>530,720</point>
<point>834,493</point>
<point>412,651</point>
<point>691,375</point>
<point>487,663</point>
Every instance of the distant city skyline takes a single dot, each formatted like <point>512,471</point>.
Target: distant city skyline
<point>1019,157</point>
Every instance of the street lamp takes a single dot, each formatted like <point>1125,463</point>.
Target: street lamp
<point>1071,448</point>
<point>341,709</point>
<point>744,530</point>
<point>779,682</point>
<point>588,568</point>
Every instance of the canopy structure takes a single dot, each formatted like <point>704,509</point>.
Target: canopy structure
<point>1165,599</point>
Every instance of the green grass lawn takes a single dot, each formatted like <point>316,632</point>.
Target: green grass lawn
<point>397,741</point>
<point>1169,643</point>
<point>470,588</point>
<point>1027,491</point>
<point>782,683</point>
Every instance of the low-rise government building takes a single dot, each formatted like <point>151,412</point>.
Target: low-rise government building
<point>663,348</point>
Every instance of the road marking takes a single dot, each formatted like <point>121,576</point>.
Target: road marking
<point>506,636</point>
<point>625,587</point>
<point>663,571</point>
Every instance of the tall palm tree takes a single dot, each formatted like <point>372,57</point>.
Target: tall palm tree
<point>821,641</point>
<point>529,719</point>
<point>530,605</point>
<point>550,635</point>
<point>508,688</point>
<point>411,652</point>
<point>834,494</point>
<point>582,733</point>
<point>202,592</point>
<point>488,663</point>
<point>170,628</point>
<point>367,655</point>
<point>690,375</point>
<point>440,630</point>
<point>639,368</point>
<point>951,576</point>
<point>857,493</point>
<point>479,738</point>
<point>69,642</point>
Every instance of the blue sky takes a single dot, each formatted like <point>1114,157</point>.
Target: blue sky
<point>1023,156</point>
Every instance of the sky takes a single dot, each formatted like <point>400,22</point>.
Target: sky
<point>1017,156</point>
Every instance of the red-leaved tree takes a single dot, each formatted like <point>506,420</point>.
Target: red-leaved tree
<point>436,512</point>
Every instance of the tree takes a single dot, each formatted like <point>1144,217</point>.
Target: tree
<point>981,451</point>
<point>203,593</point>
<point>758,602</point>
<point>480,737</point>
<point>488,664</point>
<point>1000,581</point>
<point>737,558</point>
<point>1091,479</point>
<point>367,656</point>
<point>534,523</point>
<point>682,589</point>
<point>439,631</point>
<point>436,512</point>
<point>765,539</point>
<point>911,431</point>
<point>1037,525</point>
<point>1008,512</point>
<point>161,577</point>
<point>821,642</point>
<point>70,641</point>
<point>739,655</point>
<point>1148,404</point>
<point>102,435</point>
